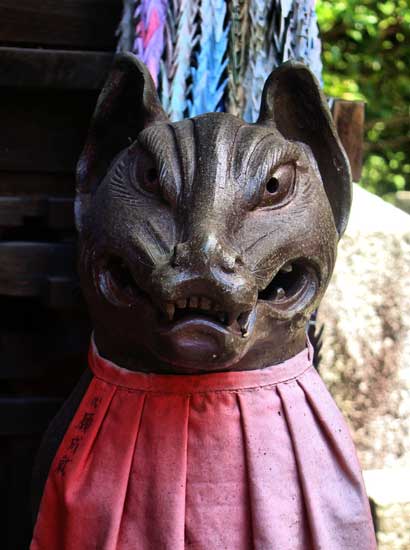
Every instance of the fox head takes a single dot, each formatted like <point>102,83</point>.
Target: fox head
<point>206,244</point>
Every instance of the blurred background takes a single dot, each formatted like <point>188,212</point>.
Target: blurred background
<point>366,55</point>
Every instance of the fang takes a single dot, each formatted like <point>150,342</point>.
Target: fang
<point>280,293</point>
<point>170,310</point>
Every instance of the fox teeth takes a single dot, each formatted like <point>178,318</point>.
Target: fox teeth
<point>232,316</point>
<point>287,268</point>
<point>201,303</point>
<point>205,303</point>
<point>170,309</point>
<point>193,302</point>
<point>280,293</point>
<point>221,316</point>
<point>244,321</point>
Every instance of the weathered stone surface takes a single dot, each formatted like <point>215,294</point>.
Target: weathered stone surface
<point>366,348</point>
<point>402,200</point>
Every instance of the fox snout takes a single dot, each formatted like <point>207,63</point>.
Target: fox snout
<point>206,275</point>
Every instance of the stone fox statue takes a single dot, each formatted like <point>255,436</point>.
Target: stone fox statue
<point>205,245</point>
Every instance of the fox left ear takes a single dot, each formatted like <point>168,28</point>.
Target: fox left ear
<point>292,101</point>
<point>127,104</point>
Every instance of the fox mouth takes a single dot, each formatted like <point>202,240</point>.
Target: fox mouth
<point>293,287</point>
<point>115,281</point>
<point>201,308</point>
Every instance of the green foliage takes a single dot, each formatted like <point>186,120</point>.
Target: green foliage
<point>366,54</point>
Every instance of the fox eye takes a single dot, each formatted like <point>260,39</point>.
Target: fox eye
<point>144,173</point>
<point>150,179</point>
<point>279,186</point>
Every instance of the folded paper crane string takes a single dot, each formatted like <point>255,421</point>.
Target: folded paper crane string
<point>216,55</point>
<point>149,40</point>
<point>205,245</point>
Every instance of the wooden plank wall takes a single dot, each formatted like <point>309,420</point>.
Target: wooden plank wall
<point>69,24</point>
<point>54,56</point>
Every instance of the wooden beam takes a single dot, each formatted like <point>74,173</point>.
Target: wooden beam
<point>54,212</point>
<point>31,183</point>
<point>53,69</point>
<point>38,269</point>
<point>43,130</point>
<point>75,24</point>
<point>349,120</point>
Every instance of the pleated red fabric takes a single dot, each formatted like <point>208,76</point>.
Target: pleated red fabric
<point>239,460</point>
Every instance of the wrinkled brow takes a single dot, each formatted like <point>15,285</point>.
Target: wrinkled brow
<point>261,151</point>
<point>160,142</point>
<point>268,155</point>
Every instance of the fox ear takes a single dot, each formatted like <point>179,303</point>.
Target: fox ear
<point>127,104</point>
<point>293,102</point>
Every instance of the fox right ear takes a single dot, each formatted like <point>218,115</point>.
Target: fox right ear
<point>293,102</point>
<point>127,104</point>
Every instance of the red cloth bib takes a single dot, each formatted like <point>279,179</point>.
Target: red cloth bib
<point>239,460</point>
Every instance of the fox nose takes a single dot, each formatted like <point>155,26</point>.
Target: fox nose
<point>208,251</point>
<point>208,267</point>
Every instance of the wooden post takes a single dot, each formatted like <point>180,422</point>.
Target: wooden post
<point>349,120</point>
